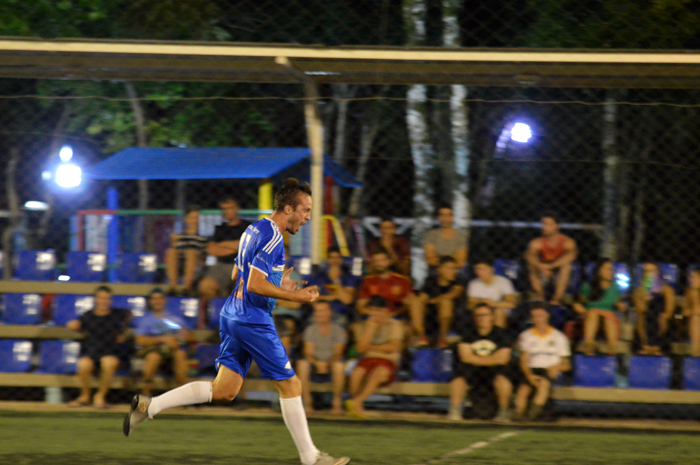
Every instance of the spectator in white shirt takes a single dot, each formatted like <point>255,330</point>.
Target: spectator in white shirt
<point>544,354</point>
<point>492,290</point>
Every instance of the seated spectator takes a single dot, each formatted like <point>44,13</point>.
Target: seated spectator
<point>161,337</point>
<point>482,358</point>
<point>224,246</point>
<point>186,250</point>
<point>104,329</point>
<point>337,286</point>
<point>378,340</point>
<point>324,347</point>
<point>438,295</point>
<point>490,289</point>
<point>544,354</point>
<point>691,310</point>
<point>549,260</point>
<point>598,300</point>
<point>395,288</point>
<point>654,302</point>
<point>445,241</point>
<point>397,248</point>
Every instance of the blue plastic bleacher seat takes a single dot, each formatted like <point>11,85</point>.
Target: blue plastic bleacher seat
<point>594,371</point>
<point>691,373</point>
<point>22,309</point>
<point>69,307</point>
<point>648,372</point>
<point>86,266</point>
<point>431,365</point>
<point>15,355</point>
<point>136,304</point>
<point>59,357</point>
<point>137,268</point>
<point>214,310</point>
<point>35,265</point>
<point>507,268</point>
<point>575,278</point>
<point>186,308</point>
<point>206,355</point>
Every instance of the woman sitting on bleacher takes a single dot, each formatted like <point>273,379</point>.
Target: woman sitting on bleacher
<point>598,299</point>
<point>691,310</point>
<point>654,302</point>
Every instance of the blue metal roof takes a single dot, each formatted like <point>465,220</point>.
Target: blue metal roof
<point>213,163</point>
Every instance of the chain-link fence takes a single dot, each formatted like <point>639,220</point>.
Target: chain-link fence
<point>525,189</point>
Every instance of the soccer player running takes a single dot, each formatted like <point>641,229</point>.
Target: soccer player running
<point>248,331</point>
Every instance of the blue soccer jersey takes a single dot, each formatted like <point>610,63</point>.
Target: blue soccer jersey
<point>261,247</point>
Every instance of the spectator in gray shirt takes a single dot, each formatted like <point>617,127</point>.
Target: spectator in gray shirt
<point>324,347</point>
<point>445,240</point>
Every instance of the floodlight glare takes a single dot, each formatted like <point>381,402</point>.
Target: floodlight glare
<point>66,153</point>
<point>521,132</point>
<point>69,176</point>
<point>35,205</point>
<point>46,175</point>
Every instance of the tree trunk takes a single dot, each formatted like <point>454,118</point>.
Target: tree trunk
<point>15,215</point>
<point>417,121</point>
<point>368,133</point>
<point>610,179</point>
<point>343,93</point>
<point>459,124</point>
<point>140,138</point>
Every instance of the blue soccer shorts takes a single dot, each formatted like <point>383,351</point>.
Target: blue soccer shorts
<point>242,343</point>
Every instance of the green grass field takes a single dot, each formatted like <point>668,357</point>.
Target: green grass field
<point>84,438</point>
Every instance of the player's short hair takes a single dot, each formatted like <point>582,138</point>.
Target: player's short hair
<point>539,305</point>
<point>550,214</point>
<point>446,259</point>
<point>483,260</point>
<point>288,194</point>
<point>333,249</point>
<point>156,290</point>
<point>106,289</point>
<point>443,206</point>
<point>377,301</point>
<point>229,198</point>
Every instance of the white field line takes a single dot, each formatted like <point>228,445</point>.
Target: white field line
<point>473,447</point>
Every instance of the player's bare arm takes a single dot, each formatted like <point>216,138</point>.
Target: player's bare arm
<point>258,284</point>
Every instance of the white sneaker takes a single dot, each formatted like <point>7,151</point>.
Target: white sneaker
<point>325,459</point>
<point>454,414</point>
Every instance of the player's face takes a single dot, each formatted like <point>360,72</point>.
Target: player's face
<point>103,300</point>
<point>229,210</point>
<point>483,271</point>
<point>380,262</point>
<point>445,217</point>
<point>540,317</point>
<point>606,271</point>
<point>300,215</point>
<point>484,318</point>
<point>157,302</point>
<point>549,226</point>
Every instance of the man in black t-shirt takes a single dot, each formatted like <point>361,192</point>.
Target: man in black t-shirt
<point>224,246</point>
<point>103,328</point>
<point>437,296</point>
<point>481,359</point>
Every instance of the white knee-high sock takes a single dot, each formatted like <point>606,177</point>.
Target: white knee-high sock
<point>198,392</point>
<point>295,419</point>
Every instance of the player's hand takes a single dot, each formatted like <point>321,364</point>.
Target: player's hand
<point>287,283</point>
<point>307,294</point>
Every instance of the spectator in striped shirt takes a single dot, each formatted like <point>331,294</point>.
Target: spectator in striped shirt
<point>186,253</point>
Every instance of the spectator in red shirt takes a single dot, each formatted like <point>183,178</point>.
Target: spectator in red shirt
<point>395,288</point>
<point>398,248</point>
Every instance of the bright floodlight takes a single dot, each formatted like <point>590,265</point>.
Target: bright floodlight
<point>69,176</point>
<point>46,175</point>
<point>35,205</point>
<point>521,132</point>
<point>66,153</point>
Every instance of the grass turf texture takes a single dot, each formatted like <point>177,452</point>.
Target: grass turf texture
<point>62,439</point>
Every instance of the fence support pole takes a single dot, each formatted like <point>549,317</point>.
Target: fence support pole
<point>314,131</point>
<point>112,233</point>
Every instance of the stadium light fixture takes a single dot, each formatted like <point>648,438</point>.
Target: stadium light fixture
<point>35,205</point>
<point>521,132</point>
<point>69,175</point>
<point>66,153</point>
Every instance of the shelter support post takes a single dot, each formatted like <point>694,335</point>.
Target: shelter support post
<point>314,131</point>
<point>265,196</point>
<point>112,233</point>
